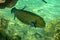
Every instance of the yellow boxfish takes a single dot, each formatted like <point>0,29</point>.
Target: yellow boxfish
<point>28,17</point>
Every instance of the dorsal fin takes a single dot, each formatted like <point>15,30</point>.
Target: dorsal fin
<point>23,8</point>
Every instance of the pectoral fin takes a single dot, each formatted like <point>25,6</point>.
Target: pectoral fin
<point>34,23</point>
<point>14,17</point>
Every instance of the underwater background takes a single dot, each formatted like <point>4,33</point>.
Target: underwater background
<point>50,12</point>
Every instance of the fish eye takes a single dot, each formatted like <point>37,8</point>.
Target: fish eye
<point>2,1</point>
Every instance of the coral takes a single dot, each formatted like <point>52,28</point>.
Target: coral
<point>57,36</point>
<point>3,24</point>
<point>37,35</point>
<point>58,31</point>
<point>3,27</point>
<point>53,26</point>
<point>16,37</point>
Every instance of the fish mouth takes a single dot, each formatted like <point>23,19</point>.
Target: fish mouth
<point>13,10</point>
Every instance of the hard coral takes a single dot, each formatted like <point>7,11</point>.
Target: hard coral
<point>3,24</point>
<point>57,36</point>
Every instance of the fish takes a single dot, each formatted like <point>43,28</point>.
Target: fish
<point>12,3</point>
<point>28,17</point>
<point>7,3</point>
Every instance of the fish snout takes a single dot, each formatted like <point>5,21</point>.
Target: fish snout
<point>13,10</point>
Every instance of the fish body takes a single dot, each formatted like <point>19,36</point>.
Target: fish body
<point>28,17</point>
<point>12,3</point>
<point>2,1</point>
<point>7,3</point>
